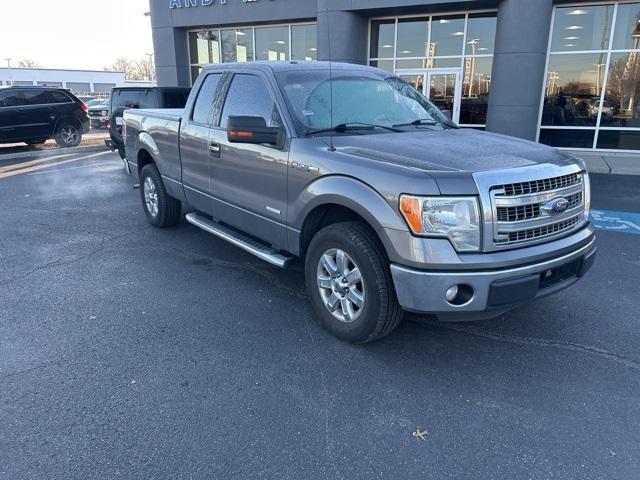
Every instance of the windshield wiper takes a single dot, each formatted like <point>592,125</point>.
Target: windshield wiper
<point>420,121</point>
<point>343,127</point>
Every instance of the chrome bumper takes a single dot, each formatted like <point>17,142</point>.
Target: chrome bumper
<point>494,291</point>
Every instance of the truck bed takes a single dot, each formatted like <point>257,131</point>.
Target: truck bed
<point>163,128</point>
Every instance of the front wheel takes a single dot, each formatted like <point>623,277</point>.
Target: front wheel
<point>161,209</point>
<point>69,135</point>
<point>349,283</point>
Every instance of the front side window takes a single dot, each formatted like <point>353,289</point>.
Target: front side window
<point>249,96</point>
<point>206,98</point>
<point>317,101</point>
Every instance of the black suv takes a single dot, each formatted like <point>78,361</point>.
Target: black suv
<point>123,98</point>
<point>35,114</point>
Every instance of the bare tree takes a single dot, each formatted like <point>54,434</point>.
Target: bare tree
<point>145,69</point>
<point>28,63</point>
<point>141,69</point>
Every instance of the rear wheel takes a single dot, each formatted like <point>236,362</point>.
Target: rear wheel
<point>161,209</point>
<point>69,135</point>
<point>349,283</point>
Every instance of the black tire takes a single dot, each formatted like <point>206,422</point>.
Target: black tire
<point>68,135</point>
<point>168,208</point>
<point>381,312</point>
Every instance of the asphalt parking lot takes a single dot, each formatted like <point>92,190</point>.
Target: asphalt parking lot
<point>131,352</point>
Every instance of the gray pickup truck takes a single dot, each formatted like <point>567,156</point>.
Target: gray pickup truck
<point>390,205</point>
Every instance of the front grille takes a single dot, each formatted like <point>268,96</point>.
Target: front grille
<point>537,186</point>
<point>539,232</point>
<point>95,113</point>
<point>527,212</point>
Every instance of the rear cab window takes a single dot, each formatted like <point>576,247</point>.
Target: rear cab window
<point>206,98</point>
<point>133,99</point>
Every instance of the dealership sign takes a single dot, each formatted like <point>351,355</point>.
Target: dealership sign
<point>200,3</point>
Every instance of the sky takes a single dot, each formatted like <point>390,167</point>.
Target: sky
<point>74,34</point>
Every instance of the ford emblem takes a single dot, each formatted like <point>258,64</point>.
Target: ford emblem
<point>555,206</point>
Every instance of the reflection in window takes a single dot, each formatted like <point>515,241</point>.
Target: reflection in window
<point>627,35</point>
<point>582,28</point>
<point>447,35</point>
<point>204,46</point>
<point>619,140</point>
<point>567,138</point>
<point>572,91</point>
<point>621,105</point>
<point>476,85</point>
<point>428,63</point>
<point>412,37</point>
<point>272,43</point>
<point>382,38</point>
<point>304,43</point>
<point>481,33</point>
<point>237,45</point>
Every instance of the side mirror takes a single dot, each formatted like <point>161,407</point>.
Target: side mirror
<point>244,129</point>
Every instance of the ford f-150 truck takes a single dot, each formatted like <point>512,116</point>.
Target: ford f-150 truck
<point>390,205</point>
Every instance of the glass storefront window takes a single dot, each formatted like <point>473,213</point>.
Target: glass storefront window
<point>204,46</point>
<point>413,37</point>
<point>382,38</point>
<point>481,33</point>
<point>621,104</point>
<point>476,85</point>
<point>582,28</point>
<point>237,45</point>
<point>428,63</point>
<point>572,91</point>
<point>619,140</point>
<point>304,42</point>
<point>272,43</point>
<point>567,138</point>
<point>627,35</point>
<point>447,35</point>
<point>383,64</point>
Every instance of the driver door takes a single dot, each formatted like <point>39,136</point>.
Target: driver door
<point>249,181</point>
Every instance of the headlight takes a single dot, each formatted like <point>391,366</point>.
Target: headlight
<point>456,218</point>
<point>587,194</point>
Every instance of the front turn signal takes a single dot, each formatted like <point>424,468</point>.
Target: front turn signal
<point>411,209</point>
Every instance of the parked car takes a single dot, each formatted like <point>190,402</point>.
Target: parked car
<point>123,98</point>
<point>99,113</point>
<point>35,114</point>
<point>390,205</point>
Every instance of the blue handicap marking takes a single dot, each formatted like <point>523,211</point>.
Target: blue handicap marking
<point>624,222</point>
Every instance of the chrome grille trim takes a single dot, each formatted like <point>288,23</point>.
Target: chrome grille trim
<point>543,231</point>
<point>518,220</point>
<point>535,186</point>
<point>532,210</point>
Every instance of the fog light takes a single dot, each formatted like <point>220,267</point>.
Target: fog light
<point>452,293</point>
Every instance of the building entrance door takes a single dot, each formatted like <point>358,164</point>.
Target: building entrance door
<point>443,86</point>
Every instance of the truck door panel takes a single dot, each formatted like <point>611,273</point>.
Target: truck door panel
<point>194,145</point>
<point>250,181</point>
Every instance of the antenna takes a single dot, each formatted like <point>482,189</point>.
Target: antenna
<point>332,148</point>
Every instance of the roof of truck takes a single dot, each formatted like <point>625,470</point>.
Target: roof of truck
<point>291,65</point>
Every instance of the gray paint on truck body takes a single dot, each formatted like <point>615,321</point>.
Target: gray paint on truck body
<point>366,174</point>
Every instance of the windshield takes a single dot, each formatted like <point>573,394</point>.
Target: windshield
<point>359,98</point>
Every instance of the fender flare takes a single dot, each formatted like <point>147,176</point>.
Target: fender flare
<point>144,141</point>
<point>350,193</point>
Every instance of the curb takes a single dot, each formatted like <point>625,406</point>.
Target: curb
<point>52,151</point>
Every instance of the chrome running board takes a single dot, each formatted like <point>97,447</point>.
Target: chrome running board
<point>259,249</point>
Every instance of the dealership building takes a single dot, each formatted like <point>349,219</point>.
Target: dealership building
<point>566,74</point>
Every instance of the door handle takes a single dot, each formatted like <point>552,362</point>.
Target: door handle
<point>214,149</point>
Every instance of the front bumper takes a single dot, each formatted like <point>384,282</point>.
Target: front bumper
<point>493,292</point>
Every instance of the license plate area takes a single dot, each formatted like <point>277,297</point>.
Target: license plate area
<point>554,276</point>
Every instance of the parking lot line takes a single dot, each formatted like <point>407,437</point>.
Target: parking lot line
<point>19,166</point>
<point>625,222</point>
<point>37,167</point>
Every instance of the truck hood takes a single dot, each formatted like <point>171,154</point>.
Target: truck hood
<point>454,150</point>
